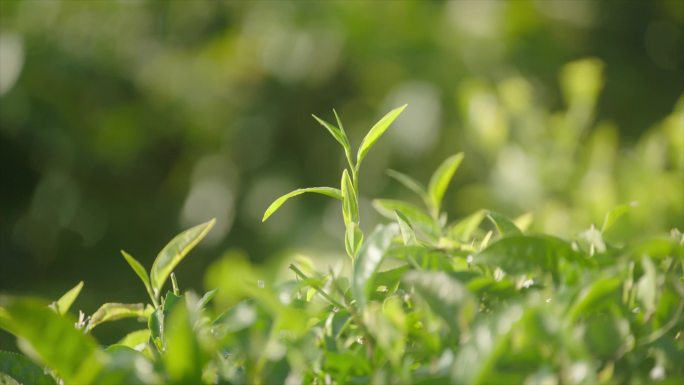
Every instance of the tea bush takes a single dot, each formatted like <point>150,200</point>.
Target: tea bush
<point>479,300</point>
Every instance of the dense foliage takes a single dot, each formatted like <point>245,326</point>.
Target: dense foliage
<point>425,300</point>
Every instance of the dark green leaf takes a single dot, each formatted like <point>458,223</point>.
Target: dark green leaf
<point>22,370</point>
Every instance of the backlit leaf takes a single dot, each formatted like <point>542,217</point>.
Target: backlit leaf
<point>328,191</point>
<point>116,311</point>
<point>174,252</point>
<point>369,259</point>
<point>375,132</point>
<point>63,304</point>
<point>439,182</point>
<point>140,271</point>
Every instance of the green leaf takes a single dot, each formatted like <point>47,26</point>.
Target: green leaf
<point>439,182</point>
<point>443,294</point>
<point>51,338</point>
<point>407,234</point>
<point>174,252</point>
<point>464,229</point>
<point>328,191</point>
<point>590,299</point>
<point>337,133</point>
<point>613,215</point>
<point>62,305</point>
<point>369,259</point>
<point>116,311</point>
<point>350,205</point>
<point>520,254</point>
<point>22,370</point>
<point>141,272</point>
<point>183,359</point>
<point>415,215</point>
<point>135,338</point>
<point>375,132</point>
<point>409,183</point>
<point>503,224</point>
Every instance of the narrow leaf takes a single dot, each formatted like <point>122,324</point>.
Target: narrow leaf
<point>328,191</point>
<point>140,271</point>
<point>464,229</point>
<point>417,218</point>
<point>116,311</point>
<point>369,259</point>
<point>62,305</point>
<point>375,132</point>
<point>23,370</point>
<point>613,215</point>
<point>52,338</point>
<point>504,224</point>
<point>336,133</point>
<point>407,234</point>
<point>409,183</point>
<point>439,182</point>
<point>174,252</point>
<point>350,205</point>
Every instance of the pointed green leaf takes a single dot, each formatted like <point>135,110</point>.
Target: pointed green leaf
<point>417,218</point>
<point>590,299</point>
<point>184,358</point>
<point>369,259</point>
<point>62,305</point>
<point>327,191</point>
<point>52,338</point>
<point>135,339</point>
<point>23,370</point>
<point>140,271</point>
<point>613,215</point>
<point>350,205</point>
<point>407,234</point>
<point>174,252</point>
<point>463,230</point>
<point>439,182</point>
<point>337,133</point>
<point>375,132</point>
<point>116,311</point>
<point>504,224</point>
<point>409,183</point>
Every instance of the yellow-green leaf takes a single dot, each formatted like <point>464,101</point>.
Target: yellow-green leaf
<point>375,132</point>
<point>174,252</point>
<point>439,182</point>
<point>328,191</point>
<point>116,311</point>
<point>63,304</point>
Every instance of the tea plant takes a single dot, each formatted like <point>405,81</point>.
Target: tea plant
<point>478,300</point>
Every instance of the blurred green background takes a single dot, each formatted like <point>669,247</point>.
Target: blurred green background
<point>124,122</point>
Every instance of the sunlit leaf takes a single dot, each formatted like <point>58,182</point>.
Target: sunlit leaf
<point>52,338</point>
<point>23,370</point>
<point>464,229</point>
<point>375,132</point>
<point>613,215</point>
<point>439,182</point>
<point>350,205</point>
<point>503,224</point>
<point>407,234</point>
<point>183,359</point>
<point>135,339</point>
<point>337,133</point>
<point>174,252</point>
<point>116,311</point>
<point>415,216</point>
<point>327,191</point>
<point>369,259</point>
<point>63,304</point>
<point>140,271</point>
<point>591,297</point>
